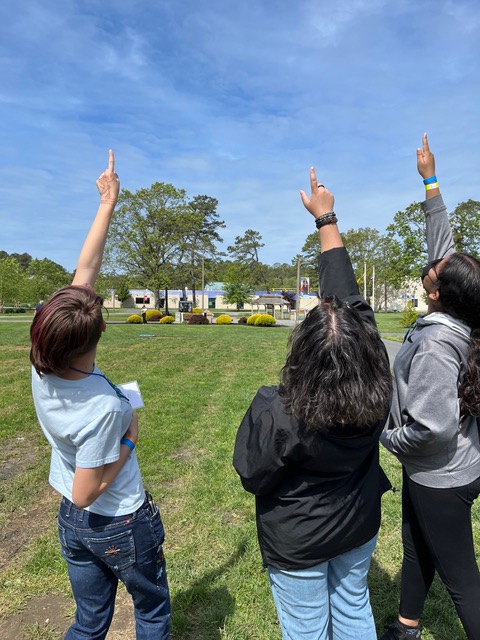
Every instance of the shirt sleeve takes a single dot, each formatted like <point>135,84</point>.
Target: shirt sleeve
<point>439,232</point>
<point>98,443</point>
<point>337,277</point>
<point>260,450</point>
<point>431,408</point>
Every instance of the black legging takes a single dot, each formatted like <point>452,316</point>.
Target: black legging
<point>437,535</point>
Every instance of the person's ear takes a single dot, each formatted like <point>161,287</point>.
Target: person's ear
<point>434,296</point>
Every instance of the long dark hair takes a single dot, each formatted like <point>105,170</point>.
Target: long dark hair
<point>68,325</point>
<point>458,284</point>
<point>337,371</point>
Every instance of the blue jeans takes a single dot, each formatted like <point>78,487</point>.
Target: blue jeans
<point>102,550</point>
<point>327,602</point>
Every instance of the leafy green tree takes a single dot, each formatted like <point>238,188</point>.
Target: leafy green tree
<point>24,259</point>
<point>245,251</point>
<point>370,253</point>
<point>238,293</point>
<point>408,244</point>
<point>281,276</point>
<point>46,277</point>
<point>123,291</point>
<point>146,234</point>
<point>465,221</point>
<point>200,242</point>
<point>107,283</point>
<point>14,284</point>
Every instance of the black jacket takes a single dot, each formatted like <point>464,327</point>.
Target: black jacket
<point>317,494</point>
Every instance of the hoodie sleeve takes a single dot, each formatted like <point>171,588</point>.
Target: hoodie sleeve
<point>439,233</point>
<point>431,407</point>
<point>260,448</point>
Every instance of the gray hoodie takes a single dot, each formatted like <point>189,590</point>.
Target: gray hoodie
<point>424,430</point>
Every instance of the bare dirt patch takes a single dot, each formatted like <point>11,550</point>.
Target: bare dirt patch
<point>50,617</point>
<point>24,527</point>
<point>17,458</point>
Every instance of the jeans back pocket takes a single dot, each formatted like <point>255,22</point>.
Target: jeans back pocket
<point>117,551</point>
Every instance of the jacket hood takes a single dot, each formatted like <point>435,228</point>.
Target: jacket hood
<point>449,321</point>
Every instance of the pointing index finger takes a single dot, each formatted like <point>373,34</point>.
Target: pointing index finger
<point>111,161</point>
<point>313,179</point>
<point>425,143</point>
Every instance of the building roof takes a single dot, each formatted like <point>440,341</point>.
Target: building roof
<point>270,299</point>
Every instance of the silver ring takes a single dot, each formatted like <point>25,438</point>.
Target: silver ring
<point>322,186</point>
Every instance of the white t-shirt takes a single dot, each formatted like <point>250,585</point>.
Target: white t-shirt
<point>84,421</point>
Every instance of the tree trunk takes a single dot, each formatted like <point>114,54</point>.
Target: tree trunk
<point>194,293</point>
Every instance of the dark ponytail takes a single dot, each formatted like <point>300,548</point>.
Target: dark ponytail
<point>469,391</point>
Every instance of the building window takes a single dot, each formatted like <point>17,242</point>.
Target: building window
<point>415,302</point>
<point>142,300</point>
<point>211,303</point>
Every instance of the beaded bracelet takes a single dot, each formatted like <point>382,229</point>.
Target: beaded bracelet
<point>326,218</point>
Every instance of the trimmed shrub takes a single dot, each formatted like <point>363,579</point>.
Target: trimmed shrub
<point>198,318</point>
<point>251,319</point>
<point>409,315</point>
<point>265,320</point>
<point>15,310</point>
<point>167,320</point>
<point>224,319</point>
<point>196,310</point>
<point>134,319</point>
<point>242,320</point>
<point>153,315</point>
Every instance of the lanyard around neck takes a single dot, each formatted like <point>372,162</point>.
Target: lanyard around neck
<point>102,375</point>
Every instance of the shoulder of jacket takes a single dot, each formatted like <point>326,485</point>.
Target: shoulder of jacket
<point>438,340</point>
<point>442,333</point>
<point>264,398</point>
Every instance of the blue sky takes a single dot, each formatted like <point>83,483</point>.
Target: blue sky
<point>235,100</point>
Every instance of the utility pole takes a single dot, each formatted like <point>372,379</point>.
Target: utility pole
<point>203,281</point>
<point>297,298</point>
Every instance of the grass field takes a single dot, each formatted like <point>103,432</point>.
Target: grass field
<point>197,382</point>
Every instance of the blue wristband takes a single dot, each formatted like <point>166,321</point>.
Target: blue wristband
<point>129,443</point>
<point>430,180</point>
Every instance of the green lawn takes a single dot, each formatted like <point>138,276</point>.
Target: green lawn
<point>389,323</point>
<point>197,382</point>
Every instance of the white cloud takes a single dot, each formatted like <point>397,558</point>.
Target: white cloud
<point>233,100</point>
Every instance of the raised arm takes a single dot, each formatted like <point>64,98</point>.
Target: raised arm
<point>334,267</point>
<point>439,233</point>
<point>320,205</point>
<point>90,259</point>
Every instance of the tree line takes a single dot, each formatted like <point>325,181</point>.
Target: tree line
<point>162,239</point>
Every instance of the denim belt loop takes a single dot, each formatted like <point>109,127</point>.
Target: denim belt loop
<point>69,505</point>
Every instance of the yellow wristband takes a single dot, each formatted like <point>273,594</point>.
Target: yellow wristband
<point>432,185</point>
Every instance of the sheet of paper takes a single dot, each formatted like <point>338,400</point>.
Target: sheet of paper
<point>132,391</point>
